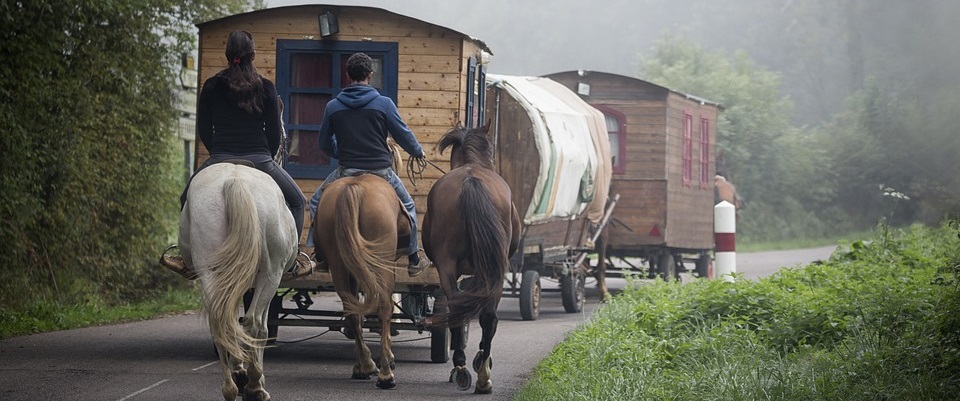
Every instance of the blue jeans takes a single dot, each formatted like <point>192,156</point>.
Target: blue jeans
<point>387,174</point>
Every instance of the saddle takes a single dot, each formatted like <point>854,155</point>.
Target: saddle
<point>242,162</point>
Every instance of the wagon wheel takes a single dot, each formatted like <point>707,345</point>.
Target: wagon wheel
<point>666,269</point>
<point>273,315</point>
<point>703,265</point>
<point>439,345</point>
<point>530,295</point>
<point>439,338</point>
<point>572,291</point>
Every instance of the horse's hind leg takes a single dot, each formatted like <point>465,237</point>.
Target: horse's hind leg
<point>234,376</point>
<point>460,374</point>
<point>483,362</point>
<point>364,366</point>
<point>255,323</point>
<point>385,379</point>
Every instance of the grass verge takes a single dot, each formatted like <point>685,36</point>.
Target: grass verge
<point>44,315</point>
<point>881,321</point>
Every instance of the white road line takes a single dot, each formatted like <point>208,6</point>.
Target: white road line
<point>145,389</point>
<point>211,363</point>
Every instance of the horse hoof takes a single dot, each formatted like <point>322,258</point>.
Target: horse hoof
<point>386,384</point>
<point>462,377</point>
<point>484,389</point>
<point>478,361</point>
<point>257,396</point>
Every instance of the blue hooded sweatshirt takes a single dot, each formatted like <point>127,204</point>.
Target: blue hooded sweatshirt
<point>355,128</point>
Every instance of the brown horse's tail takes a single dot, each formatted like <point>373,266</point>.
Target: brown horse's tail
<point>362,258</point>
<point>235,268</point>
<point>488,255</point>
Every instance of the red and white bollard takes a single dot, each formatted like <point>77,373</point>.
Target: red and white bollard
<point>725,238</point>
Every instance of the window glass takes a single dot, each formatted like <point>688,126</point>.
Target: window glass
<point>305,149</point>
<point>613,131</point>
<point>310,70</point>
<point>307,108</point>
<point>376,82</point>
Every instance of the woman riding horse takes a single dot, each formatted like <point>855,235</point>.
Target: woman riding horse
<point>238,118</point>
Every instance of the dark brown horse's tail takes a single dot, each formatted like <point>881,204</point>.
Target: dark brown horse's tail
<point>488,255</point>
<point>360,257</point>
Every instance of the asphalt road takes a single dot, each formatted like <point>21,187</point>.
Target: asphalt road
<point>173,358</point>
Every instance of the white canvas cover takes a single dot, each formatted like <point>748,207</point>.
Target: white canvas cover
<point>570,158</point>
<point>601,143</point>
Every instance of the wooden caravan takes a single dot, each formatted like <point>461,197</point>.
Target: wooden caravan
<point>552,150</point>
<point>664,145</point>
<point>425,68</point>
<point>433,73</point>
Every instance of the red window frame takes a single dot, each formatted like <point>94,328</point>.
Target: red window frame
<point>687,148</point>
<point>704,152</point>
<point>619,164</point>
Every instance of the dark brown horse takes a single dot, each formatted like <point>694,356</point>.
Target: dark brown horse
<point>362,221</point>
<point>471,228</point>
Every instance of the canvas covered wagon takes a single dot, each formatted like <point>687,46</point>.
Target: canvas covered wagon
<point>553,151</point>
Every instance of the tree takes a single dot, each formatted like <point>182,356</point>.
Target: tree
<point>774,165</point>
<point>89,186</point>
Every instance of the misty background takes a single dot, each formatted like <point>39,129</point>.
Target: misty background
<point>832,107</point>
<point>823,49</point>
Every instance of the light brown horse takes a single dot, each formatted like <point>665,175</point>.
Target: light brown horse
<point>362,221</point>
<point>724,190</point>
<point>471,228</point>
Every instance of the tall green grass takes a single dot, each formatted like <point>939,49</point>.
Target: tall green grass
<point>880,322</point>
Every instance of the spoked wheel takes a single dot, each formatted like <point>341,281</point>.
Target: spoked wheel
<point>572,291</point>
<point>530,295</point>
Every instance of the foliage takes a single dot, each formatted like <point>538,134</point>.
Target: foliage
<point>878,321</point>
<point>43,316</point>
<point>89,175</point>
<point>776,168</point>
<point>891,137</point>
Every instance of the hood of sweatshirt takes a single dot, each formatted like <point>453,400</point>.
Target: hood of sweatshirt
<point>357,96</point>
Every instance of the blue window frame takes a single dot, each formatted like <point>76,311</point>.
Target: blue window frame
<point>309,74</point>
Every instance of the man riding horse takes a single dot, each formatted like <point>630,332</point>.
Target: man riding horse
<point>354,130</point>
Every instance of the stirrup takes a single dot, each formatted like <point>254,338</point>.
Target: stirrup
<point>303,265</point>
<point>176,264</point>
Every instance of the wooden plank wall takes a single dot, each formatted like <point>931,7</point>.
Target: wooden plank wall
<point>689,207</point>
<point>651,189</point>
<point>431,77</point>
<point>517,158</point>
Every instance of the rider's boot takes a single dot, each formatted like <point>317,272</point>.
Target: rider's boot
<point>415,265</point>
<point>302,266</point>
<point>176,264</point>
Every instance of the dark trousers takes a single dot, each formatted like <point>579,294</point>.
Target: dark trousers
<point>291,192</point>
